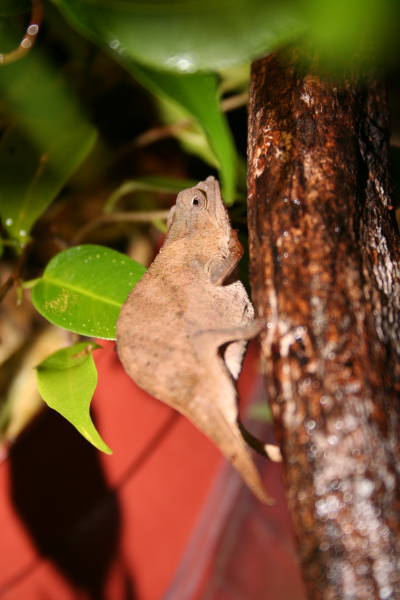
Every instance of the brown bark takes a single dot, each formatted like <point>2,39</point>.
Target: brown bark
<point>326,277</point>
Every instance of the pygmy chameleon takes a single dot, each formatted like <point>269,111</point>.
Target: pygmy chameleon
<point>183,331</point>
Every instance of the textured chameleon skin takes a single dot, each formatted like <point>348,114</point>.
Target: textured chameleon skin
<point>183,331</point>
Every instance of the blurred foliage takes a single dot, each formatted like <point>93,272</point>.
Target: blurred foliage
<point>197,95</point>
<point>46,139</point>
<point>14,7</point>
<point>196,35</point>
<point>202,35</point>
<point>116,107</point>
<point>350,34</point>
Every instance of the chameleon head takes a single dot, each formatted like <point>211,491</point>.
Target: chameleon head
<point>197,208</point>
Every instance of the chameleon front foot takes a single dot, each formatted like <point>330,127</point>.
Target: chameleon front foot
<point>271,451</point>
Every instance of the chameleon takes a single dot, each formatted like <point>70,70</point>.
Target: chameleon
<point>183,331</point>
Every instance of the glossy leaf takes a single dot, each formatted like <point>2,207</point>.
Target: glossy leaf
<point>50,139</point>
<point>67,380</point>
<point>190,135</point>
<point>186,36</point>
<point>200,35</point>
<point>30,177</point>
<point>198,95</point>
<point>83,288</point>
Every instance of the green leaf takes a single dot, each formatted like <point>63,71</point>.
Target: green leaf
<point>186,36</point>
<point>191,135</point>
<point>31,177</point>
<point>198,95</point>
<point>201,35</point>
<point>83,289</point>
<point>50,140</point>
<point>67,380</point>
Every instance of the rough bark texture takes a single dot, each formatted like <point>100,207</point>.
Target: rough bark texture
<point>326,276</point>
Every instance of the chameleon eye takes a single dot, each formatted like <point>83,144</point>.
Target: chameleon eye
<point>198,200</point>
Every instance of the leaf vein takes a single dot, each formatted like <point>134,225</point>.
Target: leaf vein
<point>83,291</point>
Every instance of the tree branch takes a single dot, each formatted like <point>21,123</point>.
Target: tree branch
<point>324,251</point>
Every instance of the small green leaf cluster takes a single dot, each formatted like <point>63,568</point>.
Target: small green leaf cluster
<point>82,289</point>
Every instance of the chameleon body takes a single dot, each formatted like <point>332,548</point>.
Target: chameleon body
<point>183,331</point>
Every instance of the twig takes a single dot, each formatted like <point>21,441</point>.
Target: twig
<point>30,35</point>
<point>6,287</point>
<point>159,133</point>
<point>119,217</point>
<point>16,275</point>
<point>235,101</point>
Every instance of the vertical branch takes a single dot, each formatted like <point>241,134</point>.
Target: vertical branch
<point>326,276</point>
